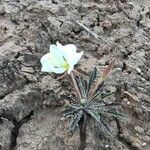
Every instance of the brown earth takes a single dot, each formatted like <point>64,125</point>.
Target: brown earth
<point>30,100</point>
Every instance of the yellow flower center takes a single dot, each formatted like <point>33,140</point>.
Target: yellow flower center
<point>66,65</point>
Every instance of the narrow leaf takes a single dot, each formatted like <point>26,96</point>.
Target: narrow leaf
<point>105,127</point>
<point>111,105</point>
<point>68,112</point>
<point>102,95</point>
<point>99,87</point>
<point>105,105</point>
<point>71,109</point>
<point>115,114</point>
<point>82,87</point>
<point>91,79</point>
<point>99,122</point>
<point>75,121</point>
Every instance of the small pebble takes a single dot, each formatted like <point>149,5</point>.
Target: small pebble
<point>143,144</point>
<point>139,129</point>
<point>106,146</point>
<point>138,70</point>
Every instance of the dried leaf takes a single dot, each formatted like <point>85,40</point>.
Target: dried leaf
<point>104,75</point>
<point>130,96</point>
<point>107,70</point>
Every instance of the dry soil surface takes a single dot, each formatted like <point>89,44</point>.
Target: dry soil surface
<point>31,100</point>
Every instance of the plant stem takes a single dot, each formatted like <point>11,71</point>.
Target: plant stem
<point>75,86</point>
<point>83,136</point>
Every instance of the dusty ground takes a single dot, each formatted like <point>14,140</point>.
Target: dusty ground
<point>31,100</point>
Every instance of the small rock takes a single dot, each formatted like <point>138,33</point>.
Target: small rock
<point>146,138</point>
<point>136,143</point>
<point>148,132</point>
<point>62,118</point>
<point>139,129</point>
<point>119,69</point>
<point>107,146</point>
<point>144,144</point>
<point>138,70</point>
<point>106,25</point>
<point>125,103</point>
<point>30,77</point>
<point>143,79</point>
<point>27,69</point>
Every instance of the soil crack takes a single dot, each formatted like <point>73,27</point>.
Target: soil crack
<point>16,128</point>
<point>121,139</point>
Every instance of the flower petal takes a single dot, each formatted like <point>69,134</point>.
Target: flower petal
<point>74,61</point>
<point>67,51</point>
<point>70,55</point>
<point>60,58</point>
<point>52,69</point>
<point>45,58</point>
<point>47,66</point>
<point>75,58</point>
<point>58,70</point>
<point>57,58</point>
<point>70,47</point>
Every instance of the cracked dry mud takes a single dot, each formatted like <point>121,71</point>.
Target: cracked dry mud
<point>30,101</point>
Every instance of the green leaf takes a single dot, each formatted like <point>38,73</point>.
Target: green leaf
<point>99,122</point>
<point>75,121</point>
<point>101,94</point>
<point>82,86</point>
<point>105,127</point>
<point>68,112</point>
<point>99,105</point>
<point>91,79</point>
<point>95,96</point>
<point>71,109</point>
<point>95,105</point>
<point>93,115</point>
<point>104,95</point>
<point>115,114</point>
<point>75,106</point>
<point>99,87</point>
<point>110,105</point>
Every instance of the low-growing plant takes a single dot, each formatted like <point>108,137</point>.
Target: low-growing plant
<point>90,106</point>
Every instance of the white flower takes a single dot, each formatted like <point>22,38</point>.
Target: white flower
<point>60,59</point>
